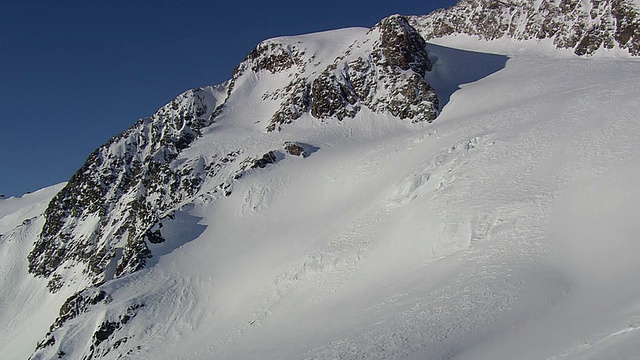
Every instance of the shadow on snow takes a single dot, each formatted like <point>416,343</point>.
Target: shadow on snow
<point>454,67</point>
<point>177,231</point>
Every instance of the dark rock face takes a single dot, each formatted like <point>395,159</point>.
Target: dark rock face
<point>569,23</point>
<point>383,72</point>
<point>332,96</point>
<point>266,159</point>
<point>155,236</point>
<point>401,46</point>
<point>257,162</point>
<point>295,149</point>
<point>79,303</point>
<point>120,191</point>
<point>627,19</point>
<point>388,78</point>
<point>108,331</point>
<point>296,102</point>
<point>272,57</point>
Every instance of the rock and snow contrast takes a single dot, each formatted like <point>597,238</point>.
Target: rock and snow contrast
<point>459,185</point>
<point>585,26</point>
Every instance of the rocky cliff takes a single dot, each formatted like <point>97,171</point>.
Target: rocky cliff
<point>384,72</point>
<point>99,219</point>
<point>585,26</point>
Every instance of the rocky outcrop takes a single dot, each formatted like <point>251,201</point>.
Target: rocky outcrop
<point>121,190</point>
<point>389,77</point>
<point>77,305</point>
<point>383,72</point>
<point>627,30</point>
<point>295,149</point>
<point>296,101</point>
<point>266,159</point>
<point>272,57</point>
<point>584,26</point>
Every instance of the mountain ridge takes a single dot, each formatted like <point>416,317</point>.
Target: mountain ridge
<point>584,26</point>
<point>142,196</point>
<point>136,165</point>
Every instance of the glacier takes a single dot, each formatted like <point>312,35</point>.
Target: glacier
<point>504,228</point>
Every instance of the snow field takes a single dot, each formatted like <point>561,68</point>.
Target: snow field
<point>433,243</point>
<point>505,229</point>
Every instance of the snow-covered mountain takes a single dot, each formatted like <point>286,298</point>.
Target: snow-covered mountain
<point>357,193</point>
<point>105,215</point>
<point>585,26</point>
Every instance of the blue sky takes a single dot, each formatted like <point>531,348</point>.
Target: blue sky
<point>75,73</point>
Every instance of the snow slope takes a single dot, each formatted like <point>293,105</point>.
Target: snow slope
<point>26,307</point>
<point>485,235</point>
<point>585,27</point>
<point>504,229</point>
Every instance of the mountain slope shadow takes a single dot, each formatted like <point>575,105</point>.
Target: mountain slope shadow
<point>454,67</point>
<point>182,227</point>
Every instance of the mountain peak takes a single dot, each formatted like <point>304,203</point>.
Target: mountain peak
<point>379,71</point>
<point>313,182</point>
<point>585,26</point>
<point>104,218</point>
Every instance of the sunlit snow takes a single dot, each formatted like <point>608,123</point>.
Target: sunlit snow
<point>505,229</point>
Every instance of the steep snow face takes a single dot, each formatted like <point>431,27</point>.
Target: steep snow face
<point>583,26</point>
<point>490,233</point>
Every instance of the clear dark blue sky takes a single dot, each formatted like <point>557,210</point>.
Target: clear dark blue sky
<point>75,73</point>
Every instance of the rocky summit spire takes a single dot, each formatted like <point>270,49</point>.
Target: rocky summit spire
<point>99,219</point>
<point>382,71</point>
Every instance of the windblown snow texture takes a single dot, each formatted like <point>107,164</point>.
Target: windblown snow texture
<point>357,193</point>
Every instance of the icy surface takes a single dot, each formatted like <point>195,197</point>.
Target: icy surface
<point>505,229</point>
